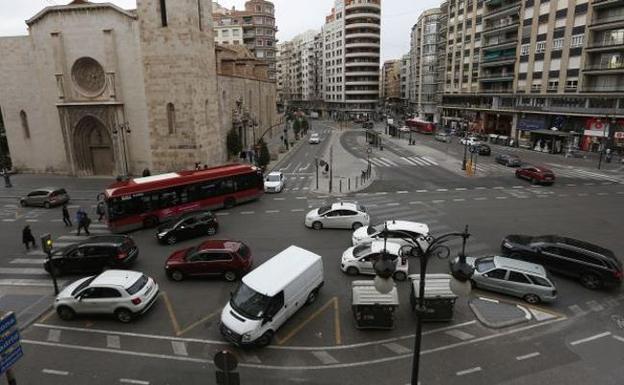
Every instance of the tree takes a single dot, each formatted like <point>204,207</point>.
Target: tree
<point>305,126</point>
<point>233,142</point>
<point>297,127</point>
<point>264,157</point>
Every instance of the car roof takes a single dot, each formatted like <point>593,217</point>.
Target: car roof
<point>123,278</point>
<point>315,133</point>
<point>275,173</point>
<point>415,227</point>
<point>219,244</point>
<point>378,246</point>
<point>345,205</point>
<point>49,189</point>
<point>105,239</point>
<point>523,266</point>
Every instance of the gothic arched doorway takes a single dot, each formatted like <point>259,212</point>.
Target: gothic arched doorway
<point>93,148</point>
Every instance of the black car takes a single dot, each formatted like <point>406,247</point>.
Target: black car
<point>93,255</point>
<point>190,225</point>
<point>508,160</point>
<point>593,265</point>
<point>484,149</point>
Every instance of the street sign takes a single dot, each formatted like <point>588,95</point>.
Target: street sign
<point>10,348</point>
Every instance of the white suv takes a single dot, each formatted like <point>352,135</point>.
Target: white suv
<point>274,182</point>
<point>396,231</point>
<point>360,259</point>
<point>124,293</point>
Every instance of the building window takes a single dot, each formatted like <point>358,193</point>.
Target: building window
<point>557,44</point>
<point>163,12</point>
<point>25,126</point>
<point>524,49</point>
<point>540,46</point>
<point>171,118</point>
<point>571,84</point>
<point>577,41</point>
<point>553,84</point>
<point>536,87</point>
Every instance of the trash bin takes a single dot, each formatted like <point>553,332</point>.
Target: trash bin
<point>371,309</point>
<point>439,299</point>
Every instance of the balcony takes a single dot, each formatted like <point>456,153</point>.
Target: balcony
<point>496,77</point>
<point>501,25</point>
<point>605,45</point>
<point>604,68</point>
<point>364,44</point>
<point>497,90</point>
<point>505,10</point>
<point>363,24</point>
<point>499,44</point>
<point>355,15</point>
<point>352,4</point>
<point>603,89</point>
<point>597,4</point>
<point>613,21</point>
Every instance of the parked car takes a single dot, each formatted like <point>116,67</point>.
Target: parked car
<point>593,265</point>
<point>93,255</point>
<point>442,136</point>
<point>483,149</point>
<point>404,129</point>
<point>275,181</point>
<point>341,215</point>
<point>314,138</point>
<point>45,197</point>
<point>396,231</point>
<point>122,293</point>
<point>508,160</point>
<point>214,258</point>
<point>360,259</point>
<point>269,295</point>
<point>525,280</point>
<point>536,174</point>
<point>189,225</point>
<point>470,141</point>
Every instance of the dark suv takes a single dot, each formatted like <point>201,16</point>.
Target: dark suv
<point>593,265</point>
<point>93,255</point>
<point>189,225</point>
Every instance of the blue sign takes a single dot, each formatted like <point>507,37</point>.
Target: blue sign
<point>531,123</point>
<point>7,322</point>
<point>10,359</point>
<point>10,348</point>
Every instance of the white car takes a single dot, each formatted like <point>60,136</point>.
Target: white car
<point>274,182</point>
<point>404,129</point>
<point>397,231</point>
<point>360,259</point>
<point>341,215</point>
<point>471,141</point>
<point>123,293</point>
<point>314,138</point>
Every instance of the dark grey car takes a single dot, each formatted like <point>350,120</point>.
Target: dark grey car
<point>45,197</point>
<point>508,160</point>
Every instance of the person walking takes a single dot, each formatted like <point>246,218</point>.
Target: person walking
<point>66,218</point>
<point>87,223</point>
<point>100,210</point>
<point>81,218</point>
<point>28,238</point>
<point>7,178</point>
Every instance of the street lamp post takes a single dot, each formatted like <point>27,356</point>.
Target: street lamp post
<point>122,129</point>
<point>604,142</point>
<point>465,147</point>
<point>424,248</point>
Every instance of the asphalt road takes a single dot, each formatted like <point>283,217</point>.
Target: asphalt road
<point>174,342</point>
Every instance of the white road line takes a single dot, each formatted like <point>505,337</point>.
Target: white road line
<point>73,237</point>
<point>32,220</point>
<point>518,187</point>
<point>297,210</point>
<point>325,357</point>
<point>602,193</point>
<point>420,161</point>
<point>498,188</point>
<point>397,348</point>
<point>113,342</point>
<point>571,184</point>
<point>222,214</point>
<point>179,348</point>
<point>415,202</point>
<point>576,309</point>
<point>595,306</point>
<point>621,339</point>
<point>438,201</point>
<point>458,200</point>
<point>22,271</point>
<point>54,335</point>
<point>390,162</point>
<point>409,161</point>
<point>55,372</point>
<point>502,197</point>
<point>134,382</point>
<point>28,261</point>
<point>402,192</point>
<point>527,356</point>
<point>480,198</point>
<point>460,334</point>
<point>429,160</point>
<point>393,204</point>
<point>422,191</point>
<point>8,220</point>
<point>29,282</point>
<point>272,211</point>
<point>461,189</point>
<point>247,212</point>
<point>592,338</point>
<point>300,198</point>
<point>442,189</point>
<point>279,199</point>
<point>480,188</point>
<point>468,371</point>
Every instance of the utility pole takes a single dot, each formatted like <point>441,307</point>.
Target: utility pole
<point>331,167</point>
<point>604,143</point>
<point>316,163</point>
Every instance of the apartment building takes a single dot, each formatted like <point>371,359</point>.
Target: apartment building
<point>228,34</point>
<point>257,21</point>
<point>283,71</point>
<point>391,81</point>
<point>406,62</point>
<point>544,74</point>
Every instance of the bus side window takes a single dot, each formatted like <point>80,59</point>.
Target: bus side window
<point>207,190</point>
<point>168,198</point>
<point>245,182</point>
<point>226,186</point>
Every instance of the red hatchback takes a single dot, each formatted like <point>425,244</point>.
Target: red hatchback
<point>536,174</point>
<point>222,258</point>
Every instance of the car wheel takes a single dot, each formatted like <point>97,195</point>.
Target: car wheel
<point>66,313</point>
<point>176,275</point>
<point>23,203</point>
<point>533,181</point>
<point>400,276</point>
<point>212,230</point>
<point>356,225</point>
<point>171,240</point>
<point>591,281</point>
<point>532,299</point>
<point>473,285</point>
<point>229,203</point>
<point>351,270</point>
<point>265,340</point>
<point>150,222</point>
<point>123,315</point>
<point>46,205</point>
<point>317,225</point>
<point>312,297</point>
<point>230,276</point>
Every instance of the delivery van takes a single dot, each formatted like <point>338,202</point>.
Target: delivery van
<point>270,295</point>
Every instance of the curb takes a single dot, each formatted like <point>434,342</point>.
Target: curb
<point>502,324</point>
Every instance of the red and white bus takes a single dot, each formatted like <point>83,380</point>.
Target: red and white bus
<point>144,202</point>
<point>421,126</point>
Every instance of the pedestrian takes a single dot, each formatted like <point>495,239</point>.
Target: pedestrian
<point>100,210</point>
<point>7,178</point>
<point>608,152</point>
<point>146,172</point>
<point>87,223</point>
<point>205,167</point>
<point>27,238</point>
<point>66,218</point>
<point>81,218</point>
<point>197,166</point>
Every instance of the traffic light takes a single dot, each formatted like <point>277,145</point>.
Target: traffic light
<point>46,243</point>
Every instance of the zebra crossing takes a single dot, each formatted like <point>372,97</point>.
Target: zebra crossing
<point>419,161</point>
<point>560,171</point>
<point>27,269</point>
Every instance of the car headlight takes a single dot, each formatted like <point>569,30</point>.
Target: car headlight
<point>507,245</point>
<point>160,235</point>
<point>246,337</point>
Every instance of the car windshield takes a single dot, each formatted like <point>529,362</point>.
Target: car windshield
<point>249,302</point>
<point>485,264</point>
<point>323,210</point>
<point>83,285</point>
<point>138,285</point>
<point>273,178</point>
<point>361,250</point>
<point>374,229</point>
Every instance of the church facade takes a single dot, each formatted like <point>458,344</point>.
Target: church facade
<point>94,89</point>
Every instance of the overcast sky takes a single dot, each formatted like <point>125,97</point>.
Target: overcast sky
<point>293,17</point>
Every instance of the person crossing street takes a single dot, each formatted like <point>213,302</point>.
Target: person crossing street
<point>66,218</point>
<point>28,238</point>
<point>83,221</point>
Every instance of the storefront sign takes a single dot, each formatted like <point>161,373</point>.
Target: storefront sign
<point>597,133</point>
<point>531,123</point>
<point>618,135</point>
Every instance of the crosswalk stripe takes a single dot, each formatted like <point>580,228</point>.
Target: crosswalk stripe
<point>409,161</point>
<point>389,161</point>
<point>30,282</point>
<point>420,161</point>
<point>429,160</point>
<point>22,271</point>
<point>28,261</point>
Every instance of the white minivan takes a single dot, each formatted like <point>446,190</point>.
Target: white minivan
<point>271,294</point>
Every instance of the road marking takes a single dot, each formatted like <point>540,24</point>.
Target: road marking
<point>576,309</point>
<point>480,198</point>
<point>113,342</point>
<point>593,305</point>
<point>279,199</point>
<point>300,198</point>
<point>415,202</point>
<point>28,261</point>
<point>222,214</point>
<point>600,193</point>
<point>621,339</point>
<point>620,193</point>
<point>247,212</point>
<point>297,210</point>
<point>518,187</point>
<point>592,338</point>
<point>372,205</point>
<point>488,299</point>
<point>498,188</point>
<point>429,160</point>
<point>442,189</point>
<point>589,184</point>
<point>54,335</point>
<point>469,371</point>
<point>272,211</point>
<point>527,356</point>
<point>393,204</point>
<point>397,348</point>
<point>131,381</point>
<point>458,200</point>
<point>480,188</point>
<point>22,271</point>
<point>571,184</point>
<point>563,195</point>
<point>422,191</point>
<point>179,348</point>
<point>55,372</point>
<point>8,220</point>
<point>29,282</point>
<point>501,198</point>
<point>438,201</point>
<point>325,357</point>
<point>73,237</point>
<point>461,189</point>
<point>460,334</point>
<point>32,220</point>
<point>402,192</point>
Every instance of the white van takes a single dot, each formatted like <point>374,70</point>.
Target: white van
<point>271,294</point>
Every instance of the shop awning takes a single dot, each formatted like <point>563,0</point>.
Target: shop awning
<point>552,133</point>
